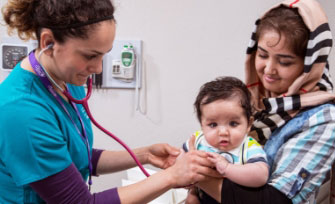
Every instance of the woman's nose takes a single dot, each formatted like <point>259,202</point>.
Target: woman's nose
<point>96,68</point>
<point>270,67</point>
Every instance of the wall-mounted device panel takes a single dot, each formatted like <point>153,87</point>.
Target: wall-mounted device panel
<point>122,65</point>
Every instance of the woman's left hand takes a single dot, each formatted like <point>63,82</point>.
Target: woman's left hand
<point>162,155</point>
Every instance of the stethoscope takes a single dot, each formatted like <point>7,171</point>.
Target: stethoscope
<point>44,76</point>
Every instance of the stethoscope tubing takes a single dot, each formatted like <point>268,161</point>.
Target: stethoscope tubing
<point>84,103</point>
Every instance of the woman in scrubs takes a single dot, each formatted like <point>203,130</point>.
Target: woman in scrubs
<point>45,140</point>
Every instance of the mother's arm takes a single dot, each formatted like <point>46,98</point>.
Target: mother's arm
<point>212,186</point>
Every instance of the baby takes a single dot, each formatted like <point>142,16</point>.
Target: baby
<point>224,112</point>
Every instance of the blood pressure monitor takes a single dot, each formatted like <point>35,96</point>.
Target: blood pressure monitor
<point>11,54</point>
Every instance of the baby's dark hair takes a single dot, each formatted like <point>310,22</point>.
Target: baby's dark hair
<point>224,88</point>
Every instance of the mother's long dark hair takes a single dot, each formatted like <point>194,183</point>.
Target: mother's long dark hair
<point>286,21</point>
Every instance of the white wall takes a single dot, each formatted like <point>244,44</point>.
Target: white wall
<point>185,44</point>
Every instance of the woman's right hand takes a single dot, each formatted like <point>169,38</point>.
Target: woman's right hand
<point>192,167</point>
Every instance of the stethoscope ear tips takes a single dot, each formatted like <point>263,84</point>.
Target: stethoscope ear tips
<point>50,46</point>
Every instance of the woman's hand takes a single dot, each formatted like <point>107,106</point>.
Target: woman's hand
<point>190,168</point>
<point>212,172</point>
<point>162,155</point>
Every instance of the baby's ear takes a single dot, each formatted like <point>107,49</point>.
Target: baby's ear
<point>251,120</point>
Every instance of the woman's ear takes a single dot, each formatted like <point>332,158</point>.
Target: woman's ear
<point>47,41</point>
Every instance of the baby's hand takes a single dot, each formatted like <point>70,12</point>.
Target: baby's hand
<point>219,161</point>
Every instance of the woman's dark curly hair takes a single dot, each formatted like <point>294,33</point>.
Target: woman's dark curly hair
<point>64,17</point>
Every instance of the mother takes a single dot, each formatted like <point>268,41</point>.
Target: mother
<point>288,75</point>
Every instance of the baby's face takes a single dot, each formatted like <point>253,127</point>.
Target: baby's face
<point>224,123</point>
